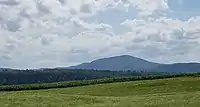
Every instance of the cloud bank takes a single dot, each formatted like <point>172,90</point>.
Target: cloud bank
<point>43,33</point>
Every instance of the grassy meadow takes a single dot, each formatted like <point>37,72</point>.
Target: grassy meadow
<point>173,92</point>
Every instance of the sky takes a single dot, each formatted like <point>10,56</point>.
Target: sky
<point>60,33</point>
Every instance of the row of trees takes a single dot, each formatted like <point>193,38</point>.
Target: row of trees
<point>88,82</point>
<point>10,77</point>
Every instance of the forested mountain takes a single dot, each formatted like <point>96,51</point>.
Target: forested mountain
<point>117,63</point>
<point>119,66</point>
<point>178,67</point>
<point>126,62</point>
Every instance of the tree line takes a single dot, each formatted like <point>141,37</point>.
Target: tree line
<point>89,82</point>
<point>13,77</point>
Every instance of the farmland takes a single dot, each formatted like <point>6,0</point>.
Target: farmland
<point>171,92</point>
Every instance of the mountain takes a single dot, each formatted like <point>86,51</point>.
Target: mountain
<point>178,67</point>
<point>124,62</point>
<point>5,69</point>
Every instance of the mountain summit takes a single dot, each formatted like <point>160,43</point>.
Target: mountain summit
<point>126,62</point>
<point>123,62</point>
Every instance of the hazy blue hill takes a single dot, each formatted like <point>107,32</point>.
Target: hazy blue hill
<point>179,67</point>
<point>5,69</point>
<point>124,62</point>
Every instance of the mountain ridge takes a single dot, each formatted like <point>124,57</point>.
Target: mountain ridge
<point>127,62</point>
<point>116,63</point>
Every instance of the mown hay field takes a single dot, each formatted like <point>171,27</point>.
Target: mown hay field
<point>172,92</point>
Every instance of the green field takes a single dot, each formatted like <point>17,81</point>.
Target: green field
<point>174,92</point>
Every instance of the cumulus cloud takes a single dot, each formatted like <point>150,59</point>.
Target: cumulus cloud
<point>43,33</point>
<point>9,2</point>
<point>173,37</point>
<point>62,1</point>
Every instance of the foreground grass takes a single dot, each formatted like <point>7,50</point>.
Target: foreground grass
<point>174,92</point>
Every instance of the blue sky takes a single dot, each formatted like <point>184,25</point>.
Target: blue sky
<point>184,9</point>
<point>53,33</point>
<point>184,5</point>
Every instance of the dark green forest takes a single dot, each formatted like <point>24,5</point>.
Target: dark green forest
<point>12,77</point>
<point>40,86</point>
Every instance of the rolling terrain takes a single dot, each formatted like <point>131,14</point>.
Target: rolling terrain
<point>118,66</point>
<point>173,92</point>
<point>126,62</point>
<point>117,63</point>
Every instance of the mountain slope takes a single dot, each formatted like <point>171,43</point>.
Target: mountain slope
<point>178,67</point>
<point>124,62</point>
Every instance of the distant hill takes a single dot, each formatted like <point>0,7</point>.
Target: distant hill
<point>5,69</point>
<point>178,67</point>
<point>126,62</point>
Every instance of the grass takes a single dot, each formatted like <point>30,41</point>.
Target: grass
<point>173,92</point>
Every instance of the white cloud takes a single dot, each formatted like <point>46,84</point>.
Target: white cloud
<point>148,7</point>
<point>9,2</point>
<point>172,37</point>
<point>43,33</point>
